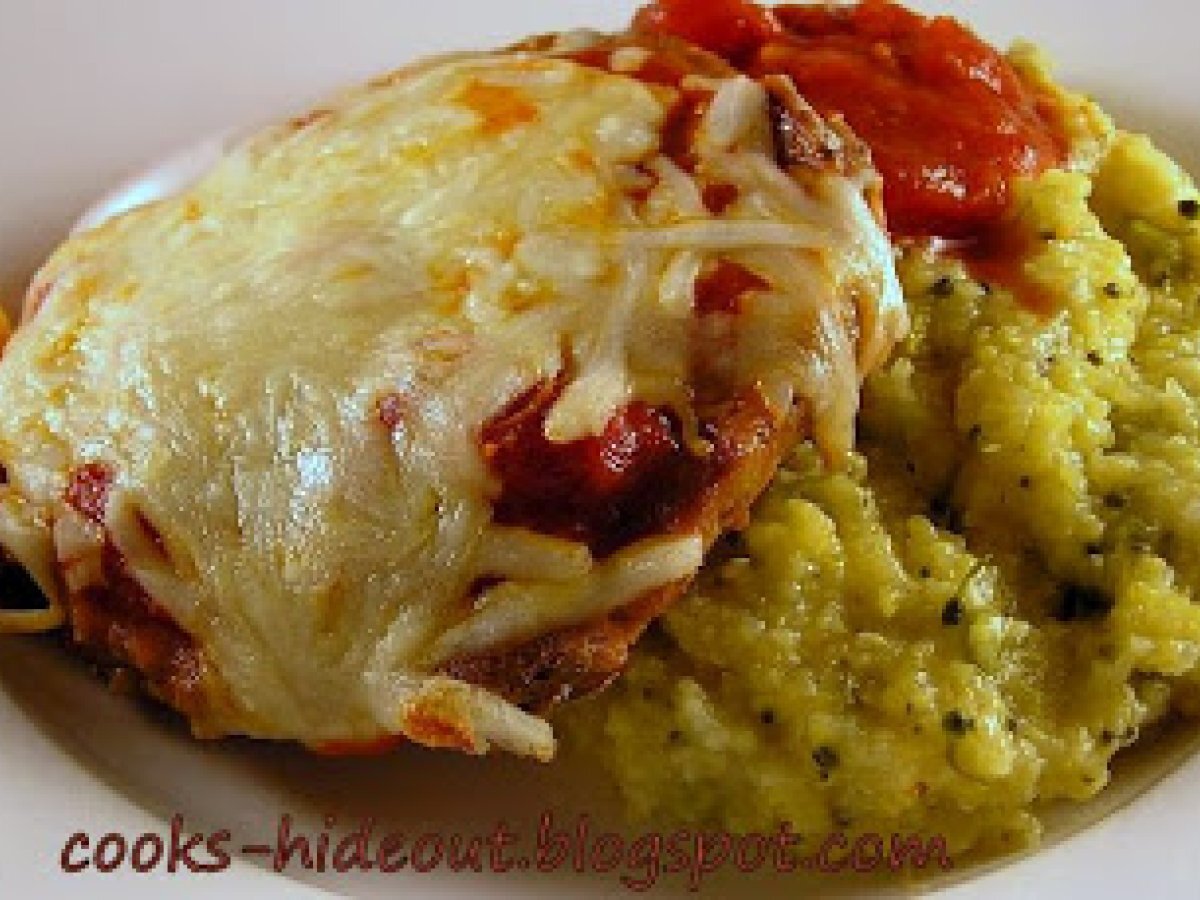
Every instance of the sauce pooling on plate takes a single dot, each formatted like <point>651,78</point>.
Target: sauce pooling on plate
<point>950,122</point>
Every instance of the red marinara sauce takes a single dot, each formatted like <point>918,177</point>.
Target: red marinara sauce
<point>949,121</point>
<point>734,29</point>
<point>605,490</point>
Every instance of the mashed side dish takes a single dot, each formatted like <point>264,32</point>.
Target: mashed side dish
<point>1000,593</point>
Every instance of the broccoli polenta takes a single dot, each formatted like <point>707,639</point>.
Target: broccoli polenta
<point>1002,590</point>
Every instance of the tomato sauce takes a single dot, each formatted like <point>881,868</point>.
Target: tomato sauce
<point>949,121</point>
<point>119,619</point>
<point>604,490</point>
<point>87,492</point>
<point>722,289</point>
<point>998,256</point>
<point>734,29</point>
<point>684,117</point>
<point>719,196</point>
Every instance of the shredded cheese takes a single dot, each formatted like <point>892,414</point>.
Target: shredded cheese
<point>225,351</point>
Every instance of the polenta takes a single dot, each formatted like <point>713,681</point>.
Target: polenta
<point>999,593</point>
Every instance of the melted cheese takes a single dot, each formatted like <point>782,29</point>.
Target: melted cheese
<point>451,237</point>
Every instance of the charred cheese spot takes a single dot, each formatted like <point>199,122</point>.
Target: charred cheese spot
<point>310,118</point>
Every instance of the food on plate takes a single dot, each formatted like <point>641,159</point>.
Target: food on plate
<point>405,420</point>
<point>411,417</point>
<point>1001,592</point>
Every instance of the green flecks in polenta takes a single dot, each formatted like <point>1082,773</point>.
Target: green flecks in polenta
<point>1000,591</point>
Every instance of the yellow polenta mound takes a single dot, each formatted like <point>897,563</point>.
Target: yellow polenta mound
<point>1002,591</point>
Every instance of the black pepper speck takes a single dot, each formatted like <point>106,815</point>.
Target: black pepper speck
<point>1082,603</point>
<point>1113,500</point>
<point>943,287</point>
<point>943,514</point>
<point>952,613</point>
<point>825,757</point>
<point>956,724</point>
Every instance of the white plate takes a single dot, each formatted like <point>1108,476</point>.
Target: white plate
<point>91,93</point>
